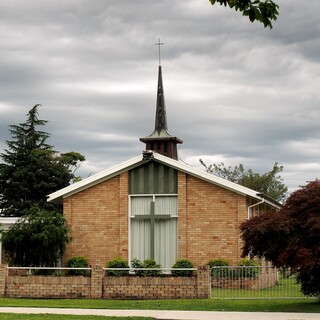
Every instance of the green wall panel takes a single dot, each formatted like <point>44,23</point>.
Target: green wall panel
<point>153,178</point>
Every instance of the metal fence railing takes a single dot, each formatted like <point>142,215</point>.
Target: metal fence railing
<point>65,271</point>
<point>256,282</point>
<point>151,271</point>
<point>48,271</point>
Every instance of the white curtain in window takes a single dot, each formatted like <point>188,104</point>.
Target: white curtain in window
<point>165,251</point>
<point>140,229</point>
<point>165,230</point>
<point>140,239</point>
<point>141,205</point>
<point>166,205</point>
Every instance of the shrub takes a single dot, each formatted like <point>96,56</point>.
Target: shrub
<point>150,263</point>
<point>247,271</point>
<point>146,264</point>
<point>219,272</point>
<point>78,262</point>
<point>117,263</point>
<point>182,263</point>
<point>43,272</point>
<point>136,263</point>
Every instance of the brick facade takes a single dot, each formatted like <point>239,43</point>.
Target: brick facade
<point>98,221</point>
<point>208,221</point>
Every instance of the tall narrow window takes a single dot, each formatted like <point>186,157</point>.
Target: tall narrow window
<point>153,221</point>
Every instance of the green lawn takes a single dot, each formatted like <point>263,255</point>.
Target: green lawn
<point>287,288</point>
<point>277,305</point>
<point>16,316</point>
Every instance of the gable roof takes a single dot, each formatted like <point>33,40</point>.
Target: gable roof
<point>148,156</point>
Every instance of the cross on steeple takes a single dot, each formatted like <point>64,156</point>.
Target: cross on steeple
<point>159,44</point>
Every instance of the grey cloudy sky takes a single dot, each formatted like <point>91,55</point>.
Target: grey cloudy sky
<point>235,92</point>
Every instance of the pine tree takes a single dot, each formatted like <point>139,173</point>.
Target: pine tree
<point>31,168</point>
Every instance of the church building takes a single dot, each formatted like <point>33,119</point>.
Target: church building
<point>154,206</point>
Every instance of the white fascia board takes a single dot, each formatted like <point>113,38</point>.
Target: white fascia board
<point>208,177</point>
<point>6,223</point>
<point>134,162</point>
<point>94,179</point>
<point>8,220</point>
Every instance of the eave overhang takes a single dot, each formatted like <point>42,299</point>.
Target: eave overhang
<point>59,195</point>
<point>91,181</point>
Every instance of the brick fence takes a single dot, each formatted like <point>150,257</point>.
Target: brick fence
<point>99,286</point>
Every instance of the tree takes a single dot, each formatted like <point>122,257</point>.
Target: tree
<point>31,168</point>
<point>290,237</point>
<point>259,10</point>
<point>269,183</point>
<point>39,238</point>
<point>72,161</point>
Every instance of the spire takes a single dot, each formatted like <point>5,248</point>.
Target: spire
<point>161,115</point>
<point>160,139</point>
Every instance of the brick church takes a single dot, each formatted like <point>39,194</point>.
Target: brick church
<point>154,206</point>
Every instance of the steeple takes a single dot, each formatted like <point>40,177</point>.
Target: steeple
<point>161,115</point>
<point>160,139</point>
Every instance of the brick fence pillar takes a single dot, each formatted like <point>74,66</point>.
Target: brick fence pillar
<point>3,278</point>
<point>203,282</point>
<point>96,282</point>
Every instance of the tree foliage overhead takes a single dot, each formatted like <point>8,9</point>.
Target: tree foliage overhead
<point>290,237</point>
<point>269,183</point>
<point>264,11</point>
<point>31,169</point>
<point>37,239</point>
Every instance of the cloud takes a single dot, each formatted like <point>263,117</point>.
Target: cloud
<point>235,92</point>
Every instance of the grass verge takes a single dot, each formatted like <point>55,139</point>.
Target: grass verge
<point>294,305</point>
<point>17,316</point>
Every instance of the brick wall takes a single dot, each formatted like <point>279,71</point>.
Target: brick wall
<point>98,220</point>
<point>149,288</point>
<point>47,287</point>
<point>3,278</point>
<point>208,222</point>
<point>209,219</point>
<point>167,287</point>
<point>99,286</point>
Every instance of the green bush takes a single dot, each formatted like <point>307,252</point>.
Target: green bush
<point>219,272</point>
<point>78,262</point>
<point>136,263</point>
<point>249,272</point>
<point>117,263</point>
<point>43,272</point>
<point>150,263</point>
<point>146,264</point>
<point>182,263</point>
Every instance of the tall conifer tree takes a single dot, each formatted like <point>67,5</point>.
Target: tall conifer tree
<point>30,168</point>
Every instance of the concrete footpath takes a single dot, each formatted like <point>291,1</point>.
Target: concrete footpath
<point>170,314</point>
